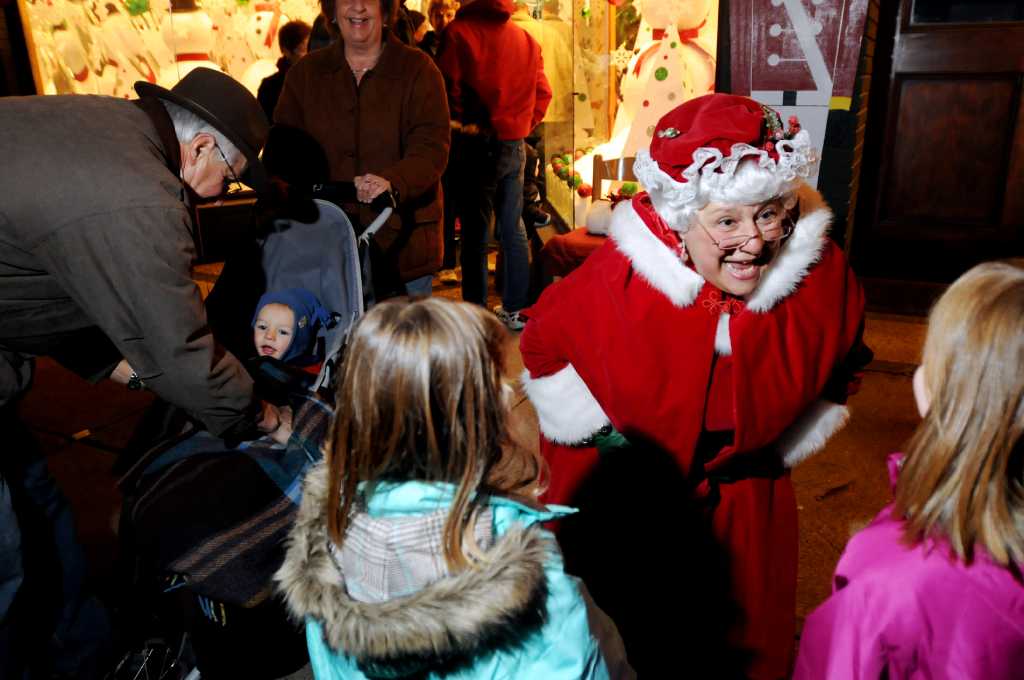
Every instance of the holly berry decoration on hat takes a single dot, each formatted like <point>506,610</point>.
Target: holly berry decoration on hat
<point>627,191</point>
<point>773,121</point>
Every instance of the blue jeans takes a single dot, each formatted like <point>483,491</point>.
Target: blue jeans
<point>36,520</point>
<point>424,285</point>
<point>490,183</point>
<point>11,570</point>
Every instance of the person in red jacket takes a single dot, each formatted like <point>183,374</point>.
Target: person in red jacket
<point>497,94</point>
<point>712,340</point>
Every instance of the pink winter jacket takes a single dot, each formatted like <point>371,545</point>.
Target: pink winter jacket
<point>904,612</point>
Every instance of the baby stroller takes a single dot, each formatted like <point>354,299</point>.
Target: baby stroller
<point>203,521</point>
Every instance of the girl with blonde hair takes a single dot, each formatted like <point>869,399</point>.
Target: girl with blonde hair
<point>932,587</point>
<point>418,549</point>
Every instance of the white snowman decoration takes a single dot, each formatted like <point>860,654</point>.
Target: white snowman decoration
<point>230,22</point>
<point>188,33</point>
<point>261,36</point>
<point>72,57</point>
<point>673,62</point>
<point>124,54</point>
<point>261,30</point>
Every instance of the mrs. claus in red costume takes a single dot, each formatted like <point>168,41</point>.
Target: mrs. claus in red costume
<point>720,326</point>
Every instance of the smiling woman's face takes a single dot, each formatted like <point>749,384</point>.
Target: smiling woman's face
<point>735,271</point>
<point>360,21</point>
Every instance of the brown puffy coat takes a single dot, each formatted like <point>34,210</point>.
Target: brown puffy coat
<point>393,124</point>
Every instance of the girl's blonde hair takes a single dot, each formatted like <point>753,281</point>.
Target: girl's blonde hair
<point>422,398</point>
<point>963,476</point>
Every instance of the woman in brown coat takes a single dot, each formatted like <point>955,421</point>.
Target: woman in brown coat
<point>380,112</point>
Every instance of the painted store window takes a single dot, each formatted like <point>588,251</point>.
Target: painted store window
<point>104,47</point>
<point>615,66</point>
<point>618,66</point>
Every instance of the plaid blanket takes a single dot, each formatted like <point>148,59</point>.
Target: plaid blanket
<point>217,517</point>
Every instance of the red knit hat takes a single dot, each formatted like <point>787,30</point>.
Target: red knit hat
<point>697,146</point>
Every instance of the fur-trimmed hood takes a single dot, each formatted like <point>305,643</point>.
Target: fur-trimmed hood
<point>663,269</point>
<point>445,625</point>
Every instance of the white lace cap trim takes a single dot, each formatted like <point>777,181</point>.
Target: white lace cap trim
<point>711,171</point>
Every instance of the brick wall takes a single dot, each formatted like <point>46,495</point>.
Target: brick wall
<point>842,150</point>
<point>860,107</point>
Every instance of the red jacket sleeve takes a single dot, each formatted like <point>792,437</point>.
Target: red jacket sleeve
<point>448,61</point>
<point>543,97</point>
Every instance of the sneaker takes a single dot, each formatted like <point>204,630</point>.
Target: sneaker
<point>448,277</point>
<point>512,320</point>
<point>538,217</point>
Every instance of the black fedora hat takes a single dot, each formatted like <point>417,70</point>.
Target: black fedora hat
<point>225,104</point>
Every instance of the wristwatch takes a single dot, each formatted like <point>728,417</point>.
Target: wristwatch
<point>135,382</point>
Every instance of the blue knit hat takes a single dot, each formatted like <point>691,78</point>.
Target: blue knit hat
<point>310,317</point>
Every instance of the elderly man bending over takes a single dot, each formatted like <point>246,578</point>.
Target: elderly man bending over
<point>95,254</point>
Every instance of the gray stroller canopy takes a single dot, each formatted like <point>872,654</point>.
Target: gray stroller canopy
<point>323,258</point>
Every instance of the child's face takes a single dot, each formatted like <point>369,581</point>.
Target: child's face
<point>274,330</point>
<point>441,14</point>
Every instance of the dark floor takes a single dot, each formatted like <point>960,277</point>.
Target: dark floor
<point>81,427</point>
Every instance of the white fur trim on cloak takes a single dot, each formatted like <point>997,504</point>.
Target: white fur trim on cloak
<point>567,411</point>
<point>811,431</point>
<point>799,253</point>
<point>723,342</point>
<point>652,259</point>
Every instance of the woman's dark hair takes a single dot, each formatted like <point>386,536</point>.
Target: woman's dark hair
<point>321,33</point>
<point>416,19</point>
<point>388,12</point>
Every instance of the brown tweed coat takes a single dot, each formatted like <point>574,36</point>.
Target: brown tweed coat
<point>393,124</point>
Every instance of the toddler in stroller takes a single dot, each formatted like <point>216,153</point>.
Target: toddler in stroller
<point>285,326</point>
<point>203,520</point>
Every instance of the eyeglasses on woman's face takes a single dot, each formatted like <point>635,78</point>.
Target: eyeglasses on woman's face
<point>728,225</point>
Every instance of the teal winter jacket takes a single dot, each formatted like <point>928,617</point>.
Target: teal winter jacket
<point>516,614</point>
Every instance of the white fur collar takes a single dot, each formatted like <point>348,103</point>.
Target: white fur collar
<point>651,259</point>
<point>800,252</point>
<point>660,267</point>
<point>446,624</point>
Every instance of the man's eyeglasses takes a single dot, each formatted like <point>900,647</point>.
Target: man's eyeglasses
<point>771,225</point>
<point>233,184</point>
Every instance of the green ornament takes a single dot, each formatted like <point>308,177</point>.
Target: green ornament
<point>628,189</point>
<point>661,73</point>
<point>582,96</point>
<point>673,44</point>
<point>137,7</point>
<point>585,12</point>
<point>563,172</point>
<point>242,3</point>
<point>576,181</point>
<point>566,158</point>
